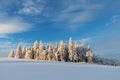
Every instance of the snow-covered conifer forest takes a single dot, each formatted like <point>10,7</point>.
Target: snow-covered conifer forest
<point>71,52</point>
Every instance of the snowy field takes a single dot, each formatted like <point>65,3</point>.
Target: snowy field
<point>11,69</point>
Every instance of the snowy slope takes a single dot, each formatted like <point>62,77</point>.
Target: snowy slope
<point>11,69</point>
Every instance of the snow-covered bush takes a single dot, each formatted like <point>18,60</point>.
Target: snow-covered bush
<point>105,61</point>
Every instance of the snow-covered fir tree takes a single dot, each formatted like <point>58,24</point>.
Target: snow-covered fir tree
<point>50,53</point>
<point>63,51</point>
<point>70,49</point>
<point>24,52</point>
<point>36,50</point>
<point>29,54</point>
<point>18,52</point>
<point>11,54</point>
<point>40,51</point>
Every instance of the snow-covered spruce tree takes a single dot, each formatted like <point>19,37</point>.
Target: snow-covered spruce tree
<point>29,54</point>
<point>23,52</point>
<point>70,49</point>
<point>89,55</point>
<point>75,53</point>
<point>41,46</point>
<point>63,51</point>
<point>45,55</point>
<point>50,52</point>
<point>55,49</point>
<point>18,52</point>
<point>36,45</point>
<point>11,55</point>
<point>40,51</point>
<point>36,54</point>
<point>36,50</point>
<point>57,54</point>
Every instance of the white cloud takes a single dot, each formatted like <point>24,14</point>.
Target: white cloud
<point>73,14</point>
<point>77,13</point>
<point>84,41</point>
<point>13,27</point>
<point>32,7</point>
<point>10,25</point>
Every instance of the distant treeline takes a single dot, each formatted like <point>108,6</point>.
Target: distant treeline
<point>71,52</point>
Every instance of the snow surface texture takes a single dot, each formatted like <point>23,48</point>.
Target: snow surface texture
<point>11,69</point>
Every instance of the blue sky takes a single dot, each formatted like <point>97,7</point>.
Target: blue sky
<point>94,22</point>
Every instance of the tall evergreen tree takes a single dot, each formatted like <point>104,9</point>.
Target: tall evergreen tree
<point>18,52</point>
<point>41,46</point>
<point>23,52</point>
<point>70,49</point>
<point>55,49</point>
<point>63,51</point>
<point>36,45</point>
<point>40,51</point>
<point>28,54</point>
<point>36,50</point>
<point>50,52</point>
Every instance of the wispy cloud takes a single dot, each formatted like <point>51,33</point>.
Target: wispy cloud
<point>71,14</point>
<point>84,41</point>
<point>32,7</point>
<point>10,25</point>
<point>78,13</point>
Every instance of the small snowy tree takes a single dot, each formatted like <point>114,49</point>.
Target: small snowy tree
<point>36,45</point>
<point>70,49</point>
<point>18,52</point>
<point>36,54</point>
<point>40,50</point>
<point>36,50</point>
<point>23,52</point>
<point>11,55</point>
<point>50,52</point>
<point>28,54</point>
<point>45,55</point>
<point>41,46</point>
<point>75,52</point>
<point>63,51</point>
<point>55,49</point>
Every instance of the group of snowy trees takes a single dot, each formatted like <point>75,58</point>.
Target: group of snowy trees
<point>72,52</point>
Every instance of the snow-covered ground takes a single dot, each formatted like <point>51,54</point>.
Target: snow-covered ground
<point>11,69</point>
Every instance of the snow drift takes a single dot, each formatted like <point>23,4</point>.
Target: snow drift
<point>15,69</point>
